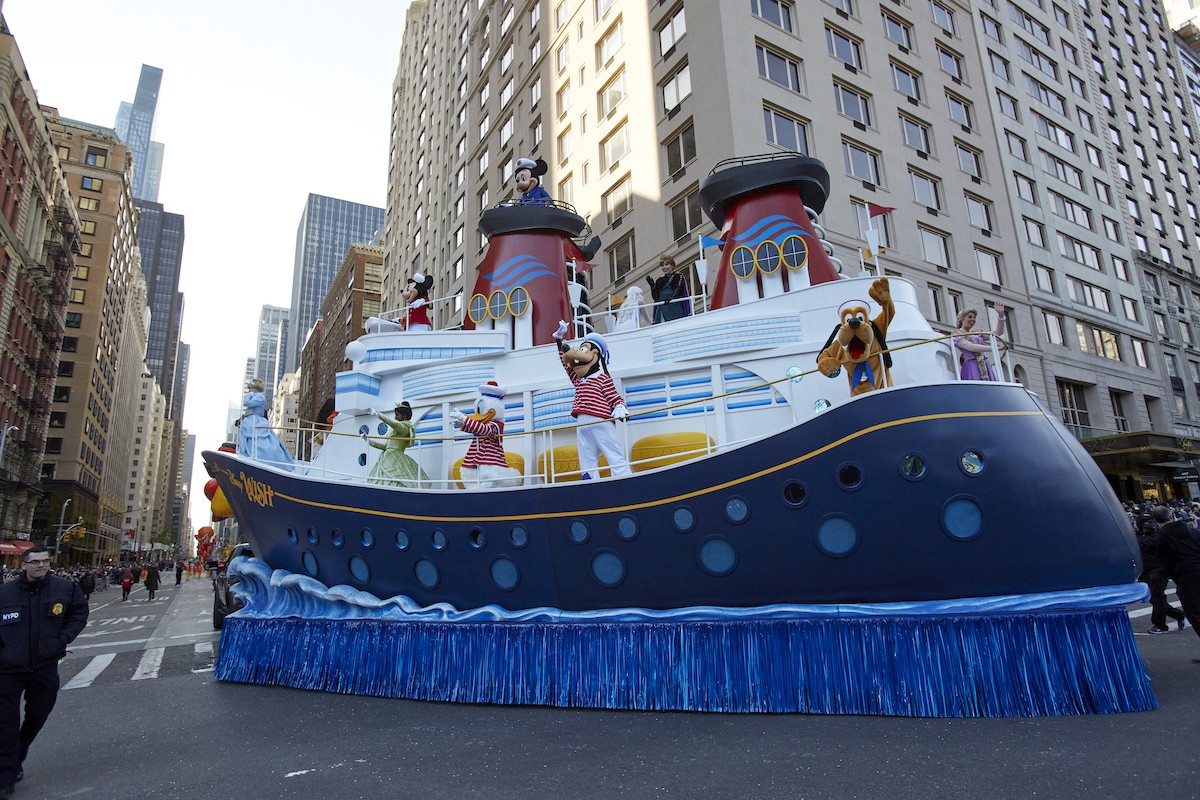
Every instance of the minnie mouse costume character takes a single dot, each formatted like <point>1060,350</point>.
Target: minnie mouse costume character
<point>528,180</point>
<point>416,298</point>
<point>597,401</point>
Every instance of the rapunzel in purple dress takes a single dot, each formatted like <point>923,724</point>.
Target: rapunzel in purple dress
<point>975,349</point>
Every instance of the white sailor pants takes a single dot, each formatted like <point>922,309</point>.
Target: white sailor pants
<point>596,439</point>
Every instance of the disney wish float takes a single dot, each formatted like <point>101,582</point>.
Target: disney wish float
<point>731,511</point>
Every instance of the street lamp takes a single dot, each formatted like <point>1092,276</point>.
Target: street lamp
<point>62,533</point>
<point>4,438</point>
<point>58,530</point>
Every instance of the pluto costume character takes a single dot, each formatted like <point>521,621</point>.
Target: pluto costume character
<point>484,466</point>
<point>597,401</point>
<point>858,343</point>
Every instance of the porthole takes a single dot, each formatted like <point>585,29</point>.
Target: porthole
<point>737,510</point>
<point>607,568</point>
<point>579,531</point>
<point>912,467</point>
<point>439,540</point>
<point>381,429</point>
<point>519,536</point>
<point>518,301</point>
<point>368,538</point>
<point>683,520</point>
<point>795,252</point>
<point>360,569</point>
<point>505,574</point>
<point>795,374</point>
<point>962,518</point>
<point>402,540</point>
<point>794,494</point>
<point>971,462</point>
<point>313,536</point>
<point>362,459</point>
<point>627,528</point>
<point>478,308</point>
<point>477,538</point>
<point>837,536</point>
<point>426,573</point>
<point>363,430</point>
<point>293,537</point>
<point>336,538</point>
<point>741,262</point>
<point>498,305</point>
<point>850,477</point>
<point>717,556</point>
<point>822,404</point>
<point>767,256</point>
<point>310,563</point>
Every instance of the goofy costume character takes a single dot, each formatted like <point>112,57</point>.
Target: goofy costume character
<point>597,401</point>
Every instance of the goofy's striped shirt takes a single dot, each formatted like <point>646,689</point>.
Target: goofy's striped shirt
<point>595,395</point>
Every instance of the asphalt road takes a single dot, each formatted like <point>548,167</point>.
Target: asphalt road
<point>159,726</point>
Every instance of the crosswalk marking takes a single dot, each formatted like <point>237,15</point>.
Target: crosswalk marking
<point>150,664</point>
<point>91,671</point>
<point>204,649</point>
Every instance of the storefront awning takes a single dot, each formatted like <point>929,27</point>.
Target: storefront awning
<point>14,547</point>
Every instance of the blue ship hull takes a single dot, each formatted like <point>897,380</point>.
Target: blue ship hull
<point>917,493</point>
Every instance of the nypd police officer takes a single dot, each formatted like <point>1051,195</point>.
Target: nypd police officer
<point>40,614</point>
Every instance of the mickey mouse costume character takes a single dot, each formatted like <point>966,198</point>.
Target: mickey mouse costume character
<point>597,401</point>
<point>528,180</point>
<point>485,466</point>
<point>416,298</point>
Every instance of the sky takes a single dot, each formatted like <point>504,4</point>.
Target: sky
<point>262,103</point>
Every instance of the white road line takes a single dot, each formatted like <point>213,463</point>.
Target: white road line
<point>203,649</point>
<point>149,665</point>
<point>75,647</point>
<point>91,671</point>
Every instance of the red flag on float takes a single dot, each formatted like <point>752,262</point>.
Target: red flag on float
<point>877,211</point>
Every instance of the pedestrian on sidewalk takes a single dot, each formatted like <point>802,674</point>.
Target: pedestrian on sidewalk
<point>126,583</point>
<point>178,572</point>
<point>152,581</point>
<point>41,615</point>
<point>1154,575</point>
<point>87,584</point>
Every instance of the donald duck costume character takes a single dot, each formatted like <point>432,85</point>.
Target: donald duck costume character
<point>485,466</point>
<point>597,401</point>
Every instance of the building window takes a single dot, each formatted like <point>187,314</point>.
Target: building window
<point>1093,296</point>
<point>843,48</point>
<point>670,33</point>
<point>989,267</point>
<point>562,56</point>
<point>614,148</point>
<point>621,259</point>
<point>78,295</point>
<point>778,68</point>
<point>1055,334</point>
<point>785,131</point>
<point>943,17</point>
<point>1139,353</point>
<point>906,82</point>
<point>935,247</point>
<point>618,200</point>
<point>950,63</point>
<point>564,146</point>
<point>1035,232</point>
<point>979,212</point>
<point>776,12</point>
<point>96,157</point>
<point>676,88</point>
<point>852,104</point>
<point>66,369</point>
<point>916,134</point>
<point>1044,277</point>
<point>92,184</point>
<point>85,249</point>
<point>566,190</point>
<point>899,32</point>
<point>685,215</point>
<point>861,163</point>
<point>960,110</point>
<point>1074,406</point>
<point>1098,342</point>
<point>89,204</point>
<point>88,227</point>
<point>681,150</point>
<point>926,190</point>
<point>1130,307</point>
<point>1120,420</point>
<point>970,160</point>
<point>73,319</point>
<point>62,394</point>
<point>612,94</point>
<point>562,100</point>
<point>610,43</point>
<point>863,222</point>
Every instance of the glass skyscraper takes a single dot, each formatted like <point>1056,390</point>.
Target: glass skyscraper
<point>160,237</point>
<point>135,125</point>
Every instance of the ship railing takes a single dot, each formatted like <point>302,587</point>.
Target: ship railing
<point>435,454</point>
<point>606,320</point>
<point>439,308</point>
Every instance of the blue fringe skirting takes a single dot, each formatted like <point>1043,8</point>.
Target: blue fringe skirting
<point>1041,663</point>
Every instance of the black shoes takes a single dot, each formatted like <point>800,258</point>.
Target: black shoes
<point>1157,629</point>
<point>6,791</point>
<point>1180,624</point>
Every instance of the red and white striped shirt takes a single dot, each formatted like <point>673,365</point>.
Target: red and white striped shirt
<point>595,395</point>
<point>488,445</point>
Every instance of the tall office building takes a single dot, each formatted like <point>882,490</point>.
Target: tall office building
<point>160,238</point>
<point>265,364</point>
<point>327,228</point>
<point>135,126</point>
<point>1039,156</point>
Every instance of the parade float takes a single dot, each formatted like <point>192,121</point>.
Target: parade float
<point>782,542</point>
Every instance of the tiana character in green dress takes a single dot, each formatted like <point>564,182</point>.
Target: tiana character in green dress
<point>395,467</point>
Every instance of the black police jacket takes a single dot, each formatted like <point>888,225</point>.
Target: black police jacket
<point>38,621</point>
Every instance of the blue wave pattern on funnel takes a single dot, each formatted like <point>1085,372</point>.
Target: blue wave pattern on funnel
<point>516,271</point>
<point>775,228</point>
<point>280,593</point>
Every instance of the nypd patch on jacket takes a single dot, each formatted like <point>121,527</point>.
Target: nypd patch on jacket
<point>38,621</point>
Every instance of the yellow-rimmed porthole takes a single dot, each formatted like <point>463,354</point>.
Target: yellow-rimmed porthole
<point>741,261</point>
<point>767,257</point>
<point>518,301</point>
<point>497,304</point>
<point>795,252</point>
<point>478,308</point>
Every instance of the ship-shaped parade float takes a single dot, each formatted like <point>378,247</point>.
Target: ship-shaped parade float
<point>779,544</point>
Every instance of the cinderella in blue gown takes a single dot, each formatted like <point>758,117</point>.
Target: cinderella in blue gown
<point>255,438</point>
